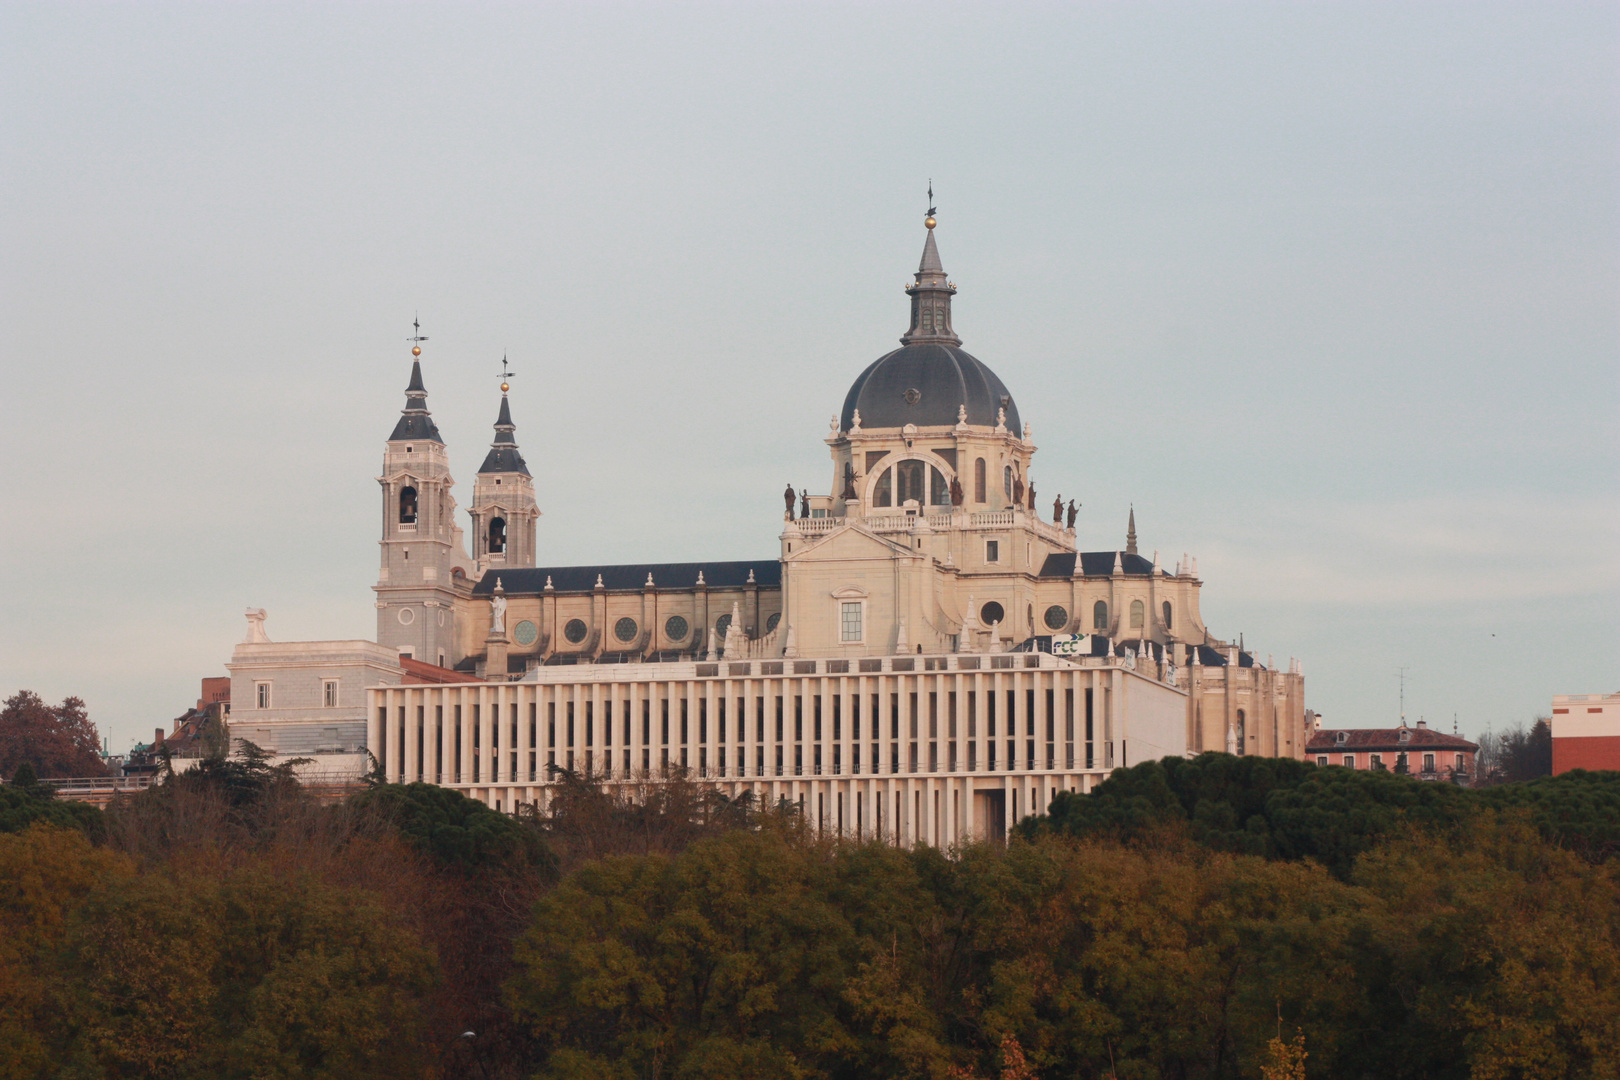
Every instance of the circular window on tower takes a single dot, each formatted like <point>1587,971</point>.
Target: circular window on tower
<point>525,632</point>
<point>1057,617</point>
<point>625,629</point>
<point>575,631</point>
<point>721,625</point>
<point>675,628</point>
<point>991,613</point>
<point>406,616</point>
<point>770,623</point>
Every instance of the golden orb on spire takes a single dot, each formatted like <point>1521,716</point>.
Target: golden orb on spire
<point>505,387</point>
<point>929,221</point>
<point>416,350</point>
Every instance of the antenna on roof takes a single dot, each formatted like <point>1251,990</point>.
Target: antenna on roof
<point>1401,674</point>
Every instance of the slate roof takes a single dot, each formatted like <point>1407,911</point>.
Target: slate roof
<point>633,576</point>
<point>1386,739</point>
<point>944,376</point>
<point>503,456</point>
<point>1093,563</point>
<point>416,422</point>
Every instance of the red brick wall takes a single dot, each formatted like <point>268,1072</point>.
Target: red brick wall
<point>1589,752</point>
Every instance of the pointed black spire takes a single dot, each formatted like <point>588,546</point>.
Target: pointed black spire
<point>1130,534</point>
<point>931,294</point>
<point>503,456</point>
<point>415,422</point>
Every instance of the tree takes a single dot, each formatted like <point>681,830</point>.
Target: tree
<point>57,740</point>
<point>25,801</point>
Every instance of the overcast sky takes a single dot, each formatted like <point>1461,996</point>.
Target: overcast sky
<point>1329,291</point>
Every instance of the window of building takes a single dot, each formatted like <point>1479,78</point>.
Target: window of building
<point>575,631</point>
<point>978,480</point>
<point>1167,614</point>
<point>1459,765</point>
<point>1321,759</point>
<point>1242,732</point>
<point>625,629</point>
<point>991,612</point>
<point>675,628</point>
<point>722,626</point>
<point>1099,615</point>
<point>850,628</point>
<point>407,505</point>
<point>1138,614</point>
<point>1006,481</point>
<point>497,535</point>
<point>883,490</point>
<point>1375,761</point>
<point>1057,617</point>
<point>329,693</point>
<point>1349,761</point>
<point>261,694</point>
<point>992,551</point>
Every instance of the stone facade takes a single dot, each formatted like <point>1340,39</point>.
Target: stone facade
<point>928,577</point>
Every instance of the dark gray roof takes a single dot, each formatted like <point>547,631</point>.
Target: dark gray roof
<point>1094,564</point>
<point>503,456</point>
<point>716,575</point>
<point>415,422</point>
<point>944,377</point>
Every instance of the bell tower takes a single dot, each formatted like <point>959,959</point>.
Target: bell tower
<point>423,552</point>
<point>503,511</point>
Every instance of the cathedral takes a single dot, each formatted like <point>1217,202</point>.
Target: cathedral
<point>926,655</point>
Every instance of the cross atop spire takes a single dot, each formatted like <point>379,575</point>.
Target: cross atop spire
<point>932,292</point>
<point>415,421</point>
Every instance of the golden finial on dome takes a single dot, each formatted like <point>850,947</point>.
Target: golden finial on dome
<point>416,350</point>
<point>929,221</point>
<point>505,387</point>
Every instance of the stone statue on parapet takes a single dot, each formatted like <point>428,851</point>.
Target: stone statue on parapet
<point>958,496</point>
<point>788,497</point>
<point>1018,490</point>
<point>1057,510</point>
<point>1032,496</point>
<point>804,503</point>
<point>497,610</point>
<point>1073,510</point>
<point>849,481</point>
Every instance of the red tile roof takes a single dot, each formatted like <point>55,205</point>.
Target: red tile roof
<point>420,671</point>
<point>1386,739</point>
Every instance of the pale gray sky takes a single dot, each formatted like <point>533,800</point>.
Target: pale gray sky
<point>1329,291</point>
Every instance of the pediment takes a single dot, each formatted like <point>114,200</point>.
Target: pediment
<point>851,542</point>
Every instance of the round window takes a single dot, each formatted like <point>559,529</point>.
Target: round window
<point>991,613</point>
<point>625,629</point>
<point>721,625</point>
<point>1057,617</point>
<point>524,633</point>
<point>575,631</point>
<point>406,616</point>
<point>770,623</point>
<point>675,628</point>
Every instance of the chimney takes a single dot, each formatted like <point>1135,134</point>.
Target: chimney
<point>1422,726</point>
<point>157,739</point>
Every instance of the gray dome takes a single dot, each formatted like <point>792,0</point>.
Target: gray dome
<point>924,384</point>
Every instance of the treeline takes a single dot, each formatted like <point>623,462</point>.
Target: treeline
<point>1202,918</point>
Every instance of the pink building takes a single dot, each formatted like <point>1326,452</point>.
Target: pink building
<point>1585,732</point>
<point>1415,751</point>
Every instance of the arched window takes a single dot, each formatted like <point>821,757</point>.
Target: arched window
<point>497,535</point>
<point>909,476</point>
<point>1099,615</point>
<point>1006,480</point>
<point>1242,722</point>
<point>1138,614</point>
<point>978,481</point>
<point>407,505</point>
<point>1167,614</point>
<point>883,490</point>
<point>939,492</point>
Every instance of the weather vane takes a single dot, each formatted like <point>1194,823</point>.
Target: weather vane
<point>416,342</point>
<point>506,375</point>
<point>929,219</point>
